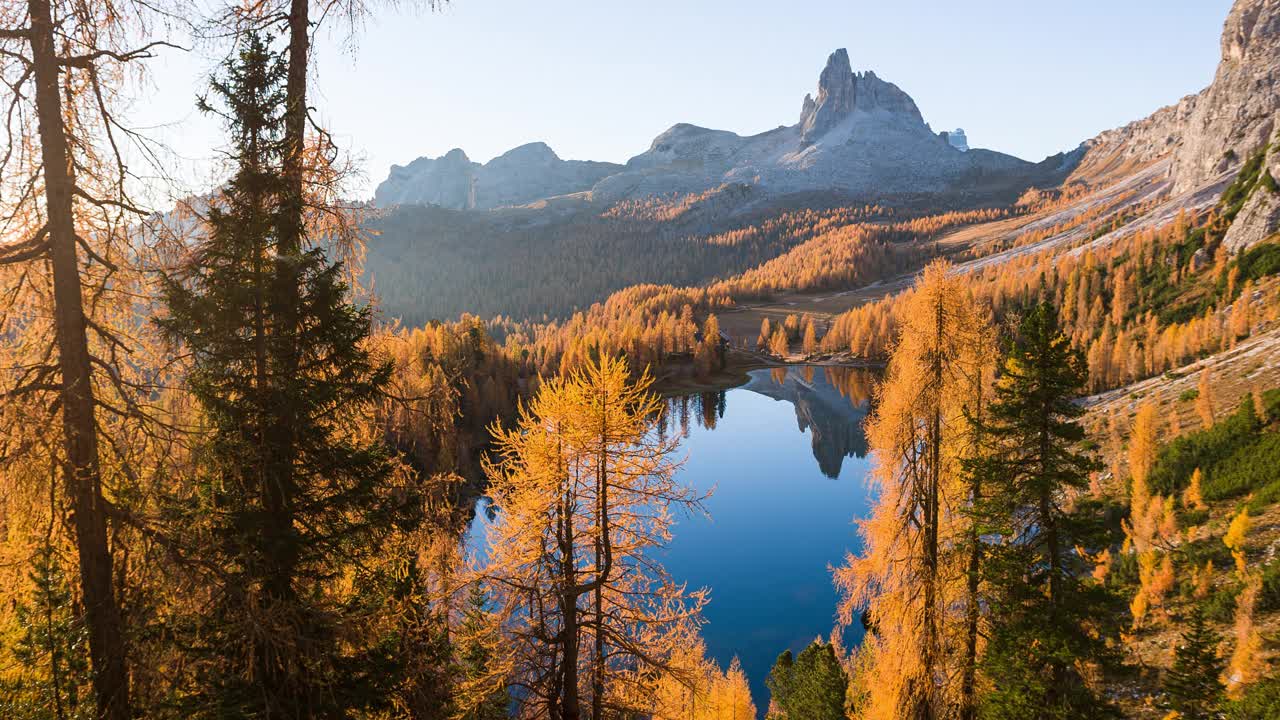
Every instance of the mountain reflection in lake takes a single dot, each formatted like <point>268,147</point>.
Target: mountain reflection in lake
<point>786,456</point>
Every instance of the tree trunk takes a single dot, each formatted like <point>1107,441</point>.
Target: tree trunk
<point>933,485</point>
<point>968,680</point>
<point>571,709</point>
<point>604,557</point>
<point>80,440</point>
<point>295,126</point>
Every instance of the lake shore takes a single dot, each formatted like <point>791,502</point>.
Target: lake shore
<point>682,380</point>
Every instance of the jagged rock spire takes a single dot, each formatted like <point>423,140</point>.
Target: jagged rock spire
<point>837,92</point>
<point>841,92</point>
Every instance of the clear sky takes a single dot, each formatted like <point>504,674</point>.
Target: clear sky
<point>598,79</point>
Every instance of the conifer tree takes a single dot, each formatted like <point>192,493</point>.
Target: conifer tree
<point>1193,686</point>
<point>810,342</point>
<point>811,686</point>
<point>920,431</point>
<point>476,660</point>
<point>766,334</point>
<point>1046,621</point>
<point>51,647</point>
<point>288,500</point>
<point>778,344</point>
<point>1204,398</point>
<point>586,490</point>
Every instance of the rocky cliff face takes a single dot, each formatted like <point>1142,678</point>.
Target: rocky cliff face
<point>447,181</point>
<point>522,175</point>
<point>1212,132</point>
<point>860,135</point>
<point>1237,113</point>
<point>841,92</point>
<point>1259,218</point>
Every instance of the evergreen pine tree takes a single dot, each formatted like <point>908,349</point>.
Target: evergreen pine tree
<point>1045,618</point>
<point>51,647</point>
<point>779,680</point>
<point>289,499</point>
<point>812,687</point>
<point>1193,685</point>
<point>475,659</point>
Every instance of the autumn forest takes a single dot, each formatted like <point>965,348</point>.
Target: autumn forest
<point>1002,447</point>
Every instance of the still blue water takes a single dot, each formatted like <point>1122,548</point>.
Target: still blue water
<point>785,454</point>
<point>787,464</point>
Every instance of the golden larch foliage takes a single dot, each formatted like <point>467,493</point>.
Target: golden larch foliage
<point>919,432</point>
<point>1204,398</point>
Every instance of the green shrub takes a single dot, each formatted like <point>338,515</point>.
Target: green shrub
<point>1269,599</point>
<point>1271,405</point>
<point>1234,196</point>
<point>1189,394</point>
<point>1250,467</point>
<point>1204,449</point>
<point>1261,701</point>
<point>1220,606</point>
<point>1268,495</point>
<point>1269,182</point>
<point>1260,261</point>
<point>1190,518</point>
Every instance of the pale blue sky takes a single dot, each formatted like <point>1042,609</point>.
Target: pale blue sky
<point>598,79</point>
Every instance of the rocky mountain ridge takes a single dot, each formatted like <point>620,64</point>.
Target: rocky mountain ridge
<point>519,176</point>
<point>1204,139</point>
<point>860,135</point>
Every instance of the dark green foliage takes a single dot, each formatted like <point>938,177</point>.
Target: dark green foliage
<point>52,647</point>
<point>779,680</point>
<point>1261,701</point>
<point>1271,405</point>
<point>1260,261</point>
<point>473,660</point>
<point>1245,469</point>
<point>1234,197</point>
<point>287,500</point>
<point>1269,182</point>
<point>1192,686</point>
<point>1205,449</point>
<point>1269,599</point>
<point>1044,617</point>
<point>1220,606</point>
<point>812,687</point>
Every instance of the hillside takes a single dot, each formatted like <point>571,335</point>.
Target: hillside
<point>674,214</point>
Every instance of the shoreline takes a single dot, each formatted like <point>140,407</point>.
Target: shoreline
<point>736,372</point>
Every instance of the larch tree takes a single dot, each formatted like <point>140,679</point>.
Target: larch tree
<point>778,344</point>
<point>72,285</point>
<point>1204,398</point>
<point>919,433</point>
<point>810,342</point>
<point>585,490</point>
<point>289,498</point>
<point>1143,443</point>
<point>697,689</point>
<point>709,354</point>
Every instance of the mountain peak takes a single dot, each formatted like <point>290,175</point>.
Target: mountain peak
<point>531,152</point>
<point>841,92</point>
<point>837,91</point>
